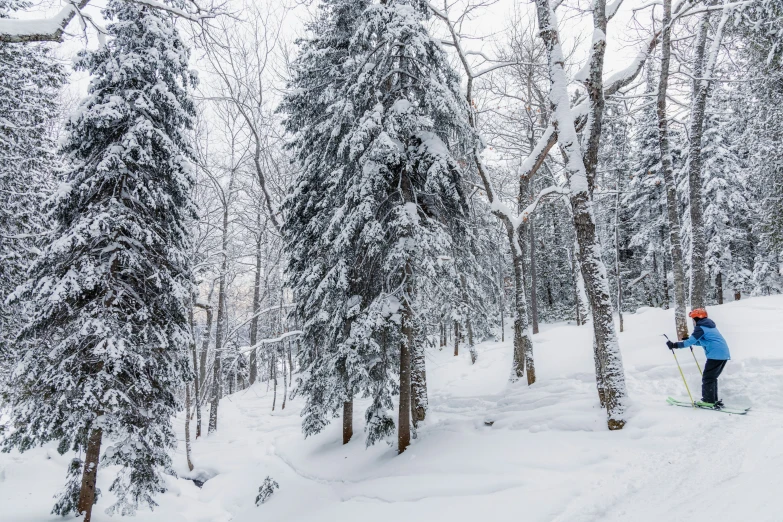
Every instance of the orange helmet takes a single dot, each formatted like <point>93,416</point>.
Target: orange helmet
<point>698,313</point>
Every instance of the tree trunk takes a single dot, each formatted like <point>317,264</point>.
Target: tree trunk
<point>285,379</point>
<point>618,273</point>
<point>90,474</point>
<point>533,278</point>
<point>273,375</point>
<point>698,242</point>
<point>347,421</point>
<point>187,427</point>
<point>456,338</point>
<point>406,344</point>
<point>256,306</point>
<point>737,295</point>
<point>719,287</point>
<point>502,299</point>
<point>196,379</point>
<point>582,170</point>
<point>290,365</point>
<point>419,401</point>
<point>675,244</point>
<point>217,375</point>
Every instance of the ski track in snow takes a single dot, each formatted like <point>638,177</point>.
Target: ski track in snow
<point>547,456</point>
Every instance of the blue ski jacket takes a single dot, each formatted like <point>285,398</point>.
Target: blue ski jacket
<point>707,336</point>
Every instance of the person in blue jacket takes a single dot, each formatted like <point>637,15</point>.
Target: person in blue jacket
<point>706,335</point>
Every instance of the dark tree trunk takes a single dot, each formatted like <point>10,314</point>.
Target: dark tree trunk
<point>719,287</point>
<point>90,474</point>
<point>347,421</point>
<point>406,343</point>
<point>456,338</point>
<point>737,295</point>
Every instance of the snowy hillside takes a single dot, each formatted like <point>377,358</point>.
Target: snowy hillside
<point>548,456</point>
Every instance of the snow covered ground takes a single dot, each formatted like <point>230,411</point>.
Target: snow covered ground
<point>547,457</point>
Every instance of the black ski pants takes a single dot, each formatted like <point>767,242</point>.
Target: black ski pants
<point>709,380</point>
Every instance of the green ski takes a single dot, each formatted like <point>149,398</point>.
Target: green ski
<point>706,406</point>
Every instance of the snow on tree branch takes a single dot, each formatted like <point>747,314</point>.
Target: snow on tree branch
<point>52,29</point>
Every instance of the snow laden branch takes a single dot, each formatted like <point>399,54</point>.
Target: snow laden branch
<point>612,85</point>
<point>549,193</point>
<point>52,29</point>
<point>272,340</point>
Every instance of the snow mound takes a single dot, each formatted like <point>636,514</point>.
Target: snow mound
<point>491,450</point>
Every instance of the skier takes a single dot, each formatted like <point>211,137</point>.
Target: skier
<point>706,335</point>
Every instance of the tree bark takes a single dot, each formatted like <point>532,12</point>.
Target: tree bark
<point>719,287</point>
<point>406,343</point>
<point>419,401</point>
<point>90,474</point>
<point>217,375</point>
<point>698,241</point>
<point>256,306</point>
<point>582,170</point>
<point>196,379</point>
<point>273,375</point>
<point>618,273</point>
<point>187,427</point>
<point>285,379</point>
<point>533,278</point>
<point>456,338</point>
<point>347,421</point>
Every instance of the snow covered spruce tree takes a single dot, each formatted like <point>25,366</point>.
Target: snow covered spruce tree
<point>105,350</point>
<point>30,81</point>
<point>320,262</point>
<point>727,213</point>
<point>383,126</point>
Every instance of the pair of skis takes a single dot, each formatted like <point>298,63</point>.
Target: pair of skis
<point>699,404</point>
<point>707,406</point>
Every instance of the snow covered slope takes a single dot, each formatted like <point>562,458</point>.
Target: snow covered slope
<point>547,457</point>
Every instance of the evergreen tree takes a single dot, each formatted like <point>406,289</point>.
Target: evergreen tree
<point>30,81</point>
<point>727,213</point>
<point>387,135</point>
<point>104,352</point>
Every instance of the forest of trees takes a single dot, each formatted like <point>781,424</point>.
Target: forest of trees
<point>316,213</point>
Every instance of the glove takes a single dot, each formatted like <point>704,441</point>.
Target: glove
<point>670,345</point>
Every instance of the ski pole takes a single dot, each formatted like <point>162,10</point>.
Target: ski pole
<point>683,377</point>
<point>697,362</point>
<point>681,374</point>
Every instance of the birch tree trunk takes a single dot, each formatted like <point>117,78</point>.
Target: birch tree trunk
<point>581,172</point>
<point>675,244</point>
